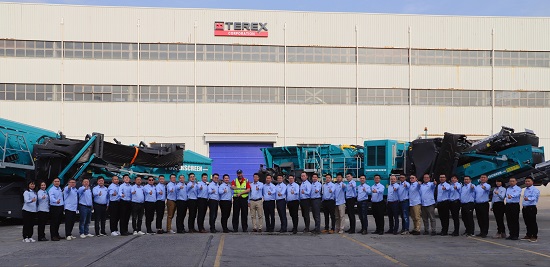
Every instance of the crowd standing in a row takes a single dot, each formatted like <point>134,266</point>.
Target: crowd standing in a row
<point>405,199</point>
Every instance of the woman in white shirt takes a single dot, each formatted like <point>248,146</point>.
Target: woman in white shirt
<point>43,211</point>
<point>29,212</point>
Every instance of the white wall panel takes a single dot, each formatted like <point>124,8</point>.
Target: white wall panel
<point>321,123</point>
<point>522,78</point>
<point>320,75</point>
<point>155,72</point>
<point>30,70</point>
<point>383,76</point>
<point>383,122</point>
<point>107,72</point>
<point>231,73</point>
<point>458,120</point>
<point>447,77</point>
<point>47,115</point>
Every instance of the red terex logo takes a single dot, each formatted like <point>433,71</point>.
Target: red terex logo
<point>240,29</point>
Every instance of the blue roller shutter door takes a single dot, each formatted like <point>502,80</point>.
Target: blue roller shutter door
<point>229,157</point>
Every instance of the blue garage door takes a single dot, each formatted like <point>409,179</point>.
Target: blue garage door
<point>229,157</point>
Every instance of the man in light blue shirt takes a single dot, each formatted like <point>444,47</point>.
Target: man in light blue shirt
<point>403,193</point>
<point>171,197</point>
<point>202,201</point>
<point>378,205</point>
<point>101,200</point>
<point>340,198</point>
<point>351,200</point>
<point>213,202</point>
<point>513,195</point>
<point>256,204</point>
<point>191,203</point>
<point>70,194</point>
<point>181,204</point>
<point>281,203</point>
<point>56,209</point>
<point>393,206</point>
<point>125,192</point>
<point>138,198</point>
<point>226,195</point>
<point>150,201</point>
<point>530,201</point>
<point>269,195</point>
<point>114,206</point>
<point>428,204</point>
<point>443,203</point>
<point>305,200</point>
<point>329,204</point>
<point>160,205</point>
<point>293,201</point>
<point>315,196</point>
<point>415,206</point>
<point>499,194</point>
<point>454,198</point>
<point>363,191</point>
<point>482,206</point>
<point>467,197</point>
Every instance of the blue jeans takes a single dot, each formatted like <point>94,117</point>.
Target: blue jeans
<point>85,217</point>
<point>405,214</point>
<point>363,211</point>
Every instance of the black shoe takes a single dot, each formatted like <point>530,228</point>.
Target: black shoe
<point>351,232</point>
<point>395,232</point>
<point>213,231</point>
<point>479,235</point>
<point>225,231</point>
<point>43,239</point>
<point>455,234</point>
<point>433,234</point>
<point>483,236</point>
<point>512,238</point>
<point>306,230</point>
<point>55,238</point>
<point>415,233</point>
<point>443,233</point>
<point>380,233</point>
<point>389,232</point>
<point>375,232</point>
<point>160,232</point>
<point>364,232</point>
<point>235,230</point>
<point>124,234</point>
<point>426,233</point>
<point>294,231</point>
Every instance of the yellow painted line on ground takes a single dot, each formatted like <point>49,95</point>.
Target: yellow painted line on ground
<point>506,246</point>
<point>220,250</point>
<point>388,257</point>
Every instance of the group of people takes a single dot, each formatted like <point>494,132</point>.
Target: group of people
<point>179,197</point>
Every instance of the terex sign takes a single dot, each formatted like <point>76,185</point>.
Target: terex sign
<point>240,29</point>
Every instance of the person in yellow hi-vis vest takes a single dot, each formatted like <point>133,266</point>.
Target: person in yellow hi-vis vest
<point>241,188</point>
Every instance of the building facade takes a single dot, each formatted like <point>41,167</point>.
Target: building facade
<point>227,82</point>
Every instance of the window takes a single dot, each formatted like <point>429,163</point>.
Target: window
<point>87,50</point>
<point>102,93</point>
<point>450,57</point>
<point>383,56</point>
<point>21,48</point>
<point>257,53</point>
<point>451,97</point>
<point>321,95</point>
<point>218,94</point>
<point>320,54</point>
<point>376,155</point>
<point>522,99</point>
<point>373,96</point>
<point>33,92</point>
<point>522,59</point>
<point>156,93</point>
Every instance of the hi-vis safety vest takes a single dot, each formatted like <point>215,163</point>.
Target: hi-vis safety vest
<point>240,188</point>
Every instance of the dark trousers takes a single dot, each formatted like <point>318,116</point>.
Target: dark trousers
<point>467,210</point>
<point>269,215</point>
<point>455,214</point>
<point>28,223</point>
<point>240,207</point>
<point>281,210</point>
<point>482,214</point>
<point>328,210</point>
<point>305,206</point>
<point>378,209</point>
<point>212,213</point>
<point>316,210</point>
<point>202,206</point>
<point>350,208</point>
<point>362,209</point>
<point>512,218</point>
<point>125,212</point>
<point>225,207</point>
<point>100,218</point>
<point>393,216</point>
<point>498,211</point>
<point>293,207</point>
<point>70,216</point>
<point>181,210</point>
<point>56,213</point>
<point>42,220</point>
<point>137,216</point>
<point>192,207</point>
<point>159,210</point>
<point>149,215</point>
<point>443,209</point>
<point>114,215</point>
<point>530,218</point>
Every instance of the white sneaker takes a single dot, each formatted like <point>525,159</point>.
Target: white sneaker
<point>117,232</point>
<point>69,238</point>
<point>26,240</point>
<point>32,240</point>
<point>114,233</point>
<point>82,236</point>
<point>90,235</point>
<point>172,232</point>
<point>135,233</point>
<point>141,233</point>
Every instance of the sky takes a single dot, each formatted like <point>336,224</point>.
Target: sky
<point>529,8</point>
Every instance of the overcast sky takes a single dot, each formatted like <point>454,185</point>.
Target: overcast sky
<point>538,8</point>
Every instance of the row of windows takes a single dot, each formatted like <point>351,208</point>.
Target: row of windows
<point>303,54</point>
<point>295,95</point>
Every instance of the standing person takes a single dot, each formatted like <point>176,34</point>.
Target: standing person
<point>191,203</point>
<point>403,194</point>
<point>171,197</point>
<point>85,205</point>
<point>281,203</point>
<point>329,204</point>
<point>351,200</point>
<point>415,202</point>
<point>428,204</point>
<point>305,200</point>
<point>363,191</point>
<point>138,198</point>
<point>202,201</point>
<point>213,202</point>
<point>499,194</point>
<point>241,188</point>
<point>101,200</point>
<point>57,205</point>
<point>181,204</point>
<point>454,198</point>
<point>269,194</point>
<point>114,206</point>
<point>513,194</point>
<point>443,204</point>
<point>150,201</point>
<point>71,205</point>
<point>256,204</point>
<point>530,201</point>
<point>340,199</point>
<point>160,204</point>
<point>29,212</point>
<point>293,202</point>
<point>378,205</point>
<point>43,211</point>
<point>226,194</point>
<point>125,192</point>
<point>482,206</point>
<point>315,195</point>
<point>393,206</point>
<point>467,197</point>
